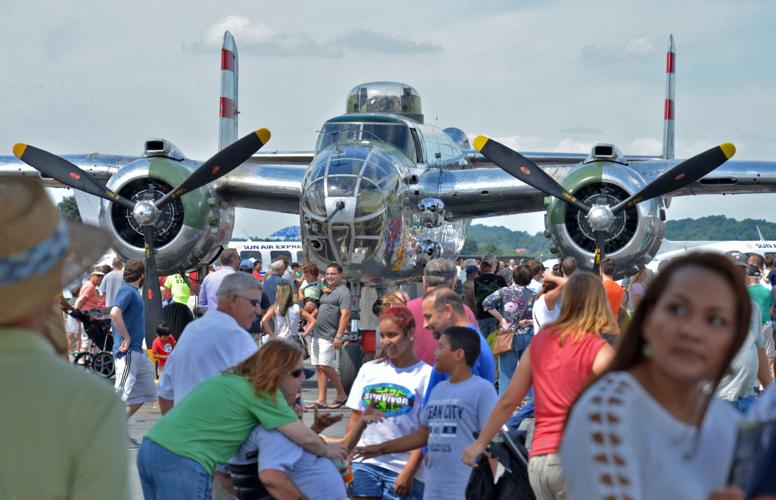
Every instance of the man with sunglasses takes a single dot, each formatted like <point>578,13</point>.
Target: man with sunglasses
<point>216,341</point>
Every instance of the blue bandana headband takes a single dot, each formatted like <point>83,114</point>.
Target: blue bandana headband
<point>37,260</point>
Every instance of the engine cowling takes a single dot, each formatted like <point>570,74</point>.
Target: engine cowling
<point>636,233</point>
<point>190,230</point>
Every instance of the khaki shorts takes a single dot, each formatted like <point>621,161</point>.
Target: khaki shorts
<point>322,352</point>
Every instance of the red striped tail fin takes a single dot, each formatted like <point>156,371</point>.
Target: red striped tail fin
<point>227,110</point>
<point>669,107</point>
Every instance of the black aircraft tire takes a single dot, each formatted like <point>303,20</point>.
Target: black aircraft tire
<point>352,357</point>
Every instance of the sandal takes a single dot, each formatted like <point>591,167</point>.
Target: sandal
<point>337,404</point>
<point>315,405</point>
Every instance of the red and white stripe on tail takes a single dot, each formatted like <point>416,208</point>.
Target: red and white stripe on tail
<point>669,106</point>
<point>227,111</point>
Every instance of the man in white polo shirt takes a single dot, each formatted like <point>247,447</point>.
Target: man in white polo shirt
<point>213,343</point>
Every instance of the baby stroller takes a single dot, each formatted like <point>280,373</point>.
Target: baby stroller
<point>98,357</point>
<point>508,448</point>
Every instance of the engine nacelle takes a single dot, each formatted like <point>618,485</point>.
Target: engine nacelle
<point>189,231</point>
<point>635,235</point>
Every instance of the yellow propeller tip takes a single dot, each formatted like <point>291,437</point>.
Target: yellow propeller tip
<point>18,149</point>
<point>728,149</point>
<point>479,142</point>
<point>264,135</point>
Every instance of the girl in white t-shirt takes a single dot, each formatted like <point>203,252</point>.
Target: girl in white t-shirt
<point>285,314</point>
<point>395,383</point>
<point>650,427</point>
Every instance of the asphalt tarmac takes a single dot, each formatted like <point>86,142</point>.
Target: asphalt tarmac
<point>148,415</point>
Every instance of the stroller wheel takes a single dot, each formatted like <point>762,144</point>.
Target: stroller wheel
<point>84,360</point>
<point>102,364</point>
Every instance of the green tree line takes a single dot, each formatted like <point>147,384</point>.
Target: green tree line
<point>499,240</point>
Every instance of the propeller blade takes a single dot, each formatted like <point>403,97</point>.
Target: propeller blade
<point>600,250</point>
<point>685,173</point>
<point>152,297</point>
<point>67,173</point>
<point>219,164</point>
<point>521,168</point>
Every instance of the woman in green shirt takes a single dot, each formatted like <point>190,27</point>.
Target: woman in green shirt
<point>179,454</point>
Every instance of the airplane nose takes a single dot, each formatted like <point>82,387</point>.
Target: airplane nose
<point>344,201</point>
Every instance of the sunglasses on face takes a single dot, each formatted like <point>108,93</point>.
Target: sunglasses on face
<point>297,373</point>
<point>254,302</point>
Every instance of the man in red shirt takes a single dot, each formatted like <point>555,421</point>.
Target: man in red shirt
<point>614,291</point>
<point>438,273</point>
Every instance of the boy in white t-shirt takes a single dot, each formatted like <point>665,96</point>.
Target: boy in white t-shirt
<point>456,408</point>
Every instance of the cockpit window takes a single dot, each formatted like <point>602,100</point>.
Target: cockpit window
<point>395,134</point>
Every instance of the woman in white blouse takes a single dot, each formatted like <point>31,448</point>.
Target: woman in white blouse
<point>650,426</point>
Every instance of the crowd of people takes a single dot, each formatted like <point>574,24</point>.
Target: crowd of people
<point>644,389</point>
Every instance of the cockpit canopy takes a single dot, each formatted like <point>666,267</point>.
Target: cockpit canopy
<point>385,97</point>
<point>368,128</point>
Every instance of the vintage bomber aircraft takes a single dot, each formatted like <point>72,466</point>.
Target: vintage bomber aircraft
<point>383,192</point>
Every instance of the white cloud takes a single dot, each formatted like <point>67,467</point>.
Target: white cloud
<point>259,38</point>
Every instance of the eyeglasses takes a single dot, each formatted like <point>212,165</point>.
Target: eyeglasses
<point>297,373</point>
<point>254,302</point>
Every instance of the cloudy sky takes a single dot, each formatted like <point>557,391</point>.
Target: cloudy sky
<point>83,76</point>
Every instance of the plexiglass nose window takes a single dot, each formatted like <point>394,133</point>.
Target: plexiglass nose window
<point>366,174</point>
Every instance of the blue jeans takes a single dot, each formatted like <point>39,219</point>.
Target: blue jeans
<point>165,475</point>
<point>372,481</point>
<point>507,363</point>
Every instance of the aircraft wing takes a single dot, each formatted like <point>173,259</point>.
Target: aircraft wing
<point>489,191</point>
<point>101,166</point>
<point>732,177</point>
<point>544,158</point>
<point>268,181</point>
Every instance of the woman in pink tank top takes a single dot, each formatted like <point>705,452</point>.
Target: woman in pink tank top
<point>561,359</point>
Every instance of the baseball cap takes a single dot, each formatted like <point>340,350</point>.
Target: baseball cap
<point>246,264</point>
<point>97,272</point>
<point>472,269</point>
<point>754,272</point>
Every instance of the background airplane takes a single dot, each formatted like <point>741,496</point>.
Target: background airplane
<point>383,192</point>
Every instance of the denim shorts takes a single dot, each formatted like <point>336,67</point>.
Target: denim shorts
<point>370,480</point>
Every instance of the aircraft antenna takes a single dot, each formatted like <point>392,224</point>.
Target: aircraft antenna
<point>669,106</point>
<point>227,111</point>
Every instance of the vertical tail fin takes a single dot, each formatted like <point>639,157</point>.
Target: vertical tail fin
<point>668,111</point>
<point>227,115</point>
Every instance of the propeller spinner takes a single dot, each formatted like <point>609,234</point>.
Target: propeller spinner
<point>601,217</point>
<point>145,212</point>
